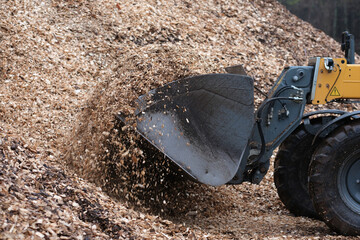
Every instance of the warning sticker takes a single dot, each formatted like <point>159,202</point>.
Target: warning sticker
<point>335,92</point>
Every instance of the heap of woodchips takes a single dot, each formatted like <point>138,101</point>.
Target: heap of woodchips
<point>68,67</point>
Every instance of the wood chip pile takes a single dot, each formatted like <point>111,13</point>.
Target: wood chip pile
<point>40,201</point>
<point>67,67</point>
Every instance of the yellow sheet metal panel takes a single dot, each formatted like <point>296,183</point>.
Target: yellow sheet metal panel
<point>341,83</point>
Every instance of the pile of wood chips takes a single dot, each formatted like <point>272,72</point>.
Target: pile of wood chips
<point>66,69</point>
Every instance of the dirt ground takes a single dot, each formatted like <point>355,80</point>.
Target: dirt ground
<point>67,67</point>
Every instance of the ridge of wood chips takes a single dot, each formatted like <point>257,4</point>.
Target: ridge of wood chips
<point>66,69</point>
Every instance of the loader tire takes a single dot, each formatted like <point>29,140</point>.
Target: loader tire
<point>334,180</point>
<point>291,172</point>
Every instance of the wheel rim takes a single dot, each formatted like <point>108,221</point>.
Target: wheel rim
<point>349,181</point>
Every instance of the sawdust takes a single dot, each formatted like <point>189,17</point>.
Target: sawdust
<point>66,69</point>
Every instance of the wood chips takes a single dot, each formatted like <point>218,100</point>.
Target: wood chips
<point>66,69</point>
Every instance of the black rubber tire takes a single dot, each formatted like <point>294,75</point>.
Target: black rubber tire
<point>291,172</point>
<point>329,184</point>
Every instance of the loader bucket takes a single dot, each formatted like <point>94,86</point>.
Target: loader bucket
<point>201,123</point>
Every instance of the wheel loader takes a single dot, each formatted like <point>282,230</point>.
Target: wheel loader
<point>207,125</point>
